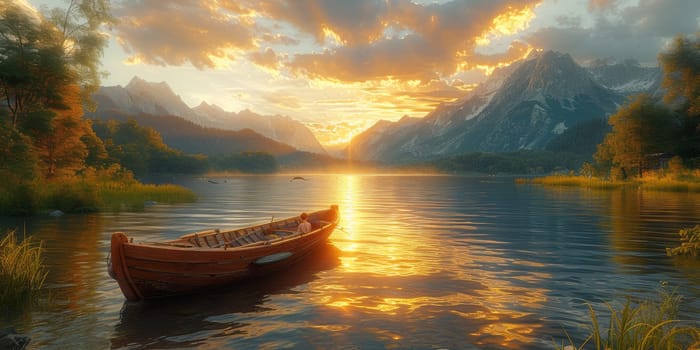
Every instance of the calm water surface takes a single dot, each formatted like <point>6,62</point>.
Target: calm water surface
<point>420,262</point>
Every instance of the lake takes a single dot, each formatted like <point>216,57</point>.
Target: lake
<point>445,262</point>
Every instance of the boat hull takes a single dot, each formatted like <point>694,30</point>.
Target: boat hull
<point>146,271</point>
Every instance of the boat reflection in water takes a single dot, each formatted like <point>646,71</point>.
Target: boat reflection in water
<point>188,320</point>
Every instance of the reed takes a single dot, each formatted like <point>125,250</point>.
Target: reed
<point>68,195</point>
<point>574,181</point>
<point>22,269</point>
<point>688,181</point>
<point>112,189</point>
<point>649,324</point>
<point>117,196</point>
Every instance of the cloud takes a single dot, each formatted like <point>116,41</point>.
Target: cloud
<point>179,32</point>
<point>282,99</point>
<point>433,40</point>
<point>636,31</point>
<point>351,41</point>
<point>267,58</point>
<point>356,22</point>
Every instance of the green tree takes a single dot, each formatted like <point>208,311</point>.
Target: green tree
<point>640,128</point>
<point>80,24</point>
<point>142,150</point>
<point>32,65</point>
<point>681,66</point>
<point>48,69</point>
<point>17,161</point>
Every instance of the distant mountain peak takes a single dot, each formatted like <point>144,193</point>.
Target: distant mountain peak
<point>141,96</point>
<point>140,85</point>
<point>208,110</point>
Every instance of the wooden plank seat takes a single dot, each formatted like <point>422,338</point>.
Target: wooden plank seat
<point>245,239</point>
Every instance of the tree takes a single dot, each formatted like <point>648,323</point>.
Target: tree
<point>48,70</point>
<point>640,128</point>
<point>681,66</point>
<point>83,41</point>
<point>17,161</point>
<point>32,66</point>
<point>60,149</point>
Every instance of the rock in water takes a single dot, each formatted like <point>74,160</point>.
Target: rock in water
<point>10,340</point>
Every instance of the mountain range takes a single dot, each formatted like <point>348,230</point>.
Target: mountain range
<point>547,101</point>
<point>524,106</point>
<point>140,98</point>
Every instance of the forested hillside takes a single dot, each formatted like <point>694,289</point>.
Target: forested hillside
<point>191,138</point>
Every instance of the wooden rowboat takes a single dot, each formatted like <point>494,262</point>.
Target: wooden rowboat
<point>215,257</point>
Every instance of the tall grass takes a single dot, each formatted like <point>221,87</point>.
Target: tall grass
<point>649,324</point>
<point>117,196</point>
<point>574,181</point>
<point>112,189</point>
<point>22,269</point>
<point>685,181</point>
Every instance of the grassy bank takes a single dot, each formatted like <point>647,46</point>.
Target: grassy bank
<point>644,324</point>
<point>105,190</point>
<point>687,181</point>
<point>22,269</point>
<point>117,196</point>
<point>574,181</point>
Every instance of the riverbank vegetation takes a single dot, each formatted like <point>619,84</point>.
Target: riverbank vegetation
<point>642,324</point>
<point>690,243</point>
<point>666,181</point>
<point>50,156</point>
<point>654,144</point>
<point>22,270</point>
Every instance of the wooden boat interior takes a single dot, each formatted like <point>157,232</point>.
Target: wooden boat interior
<point>246,237</point>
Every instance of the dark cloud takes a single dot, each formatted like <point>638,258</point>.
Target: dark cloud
<point>356,21</point>
<point>638,31</point>
<point>438,38</point>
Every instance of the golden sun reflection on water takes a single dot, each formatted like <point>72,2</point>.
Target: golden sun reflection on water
<point>392,268</point>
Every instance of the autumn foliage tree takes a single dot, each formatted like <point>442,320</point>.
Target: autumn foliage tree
<point>647,125</point>
<point>642,127</point>
<point>48,69</point>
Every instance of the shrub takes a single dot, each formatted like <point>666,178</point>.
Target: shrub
<point>73,196</point>
<point>17,200</point>
<point>690,243</point>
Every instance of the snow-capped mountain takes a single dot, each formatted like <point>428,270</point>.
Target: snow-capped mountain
<point>627,77</point>
<point>140,96</point>
<point>524,106</point>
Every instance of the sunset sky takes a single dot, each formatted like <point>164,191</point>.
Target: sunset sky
<point>339,65</point>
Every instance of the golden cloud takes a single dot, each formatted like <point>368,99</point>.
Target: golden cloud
<point>354,40</point>
<point>179,32</point>
<point>267,58</point>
